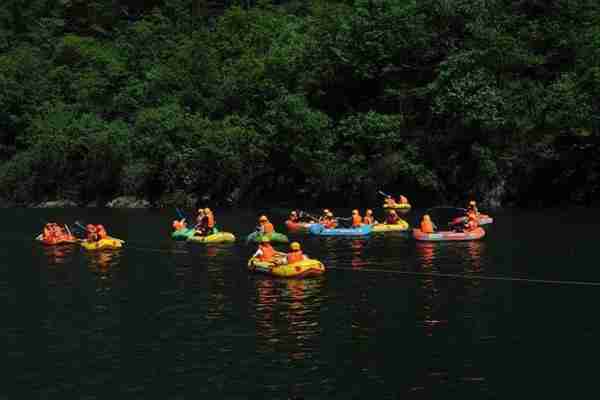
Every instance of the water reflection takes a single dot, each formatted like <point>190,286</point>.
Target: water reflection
<point>358,260</point>
<point>60,254</point>
<point>287,313</point>
<point>426,253</point>
<point>473,256</point>
<point>103,264</point>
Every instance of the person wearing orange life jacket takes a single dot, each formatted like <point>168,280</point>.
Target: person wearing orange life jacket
<point>324,216</point>
<point>266,227</point>
<point>199,219</point>
<point>389,201</point>
<point>392,218</point>
<point>47,231</point>
<point>294,217</point>
<point>208,222</point>
<point>369,219</point>
<point>92,233</point>
<point>472,208</point>
<point>329,221</point>
<point>179,224</point>
<point>101,232</point>
<point>356,219</point>
<point>403,200</point>
<point>265,251</point>
<point>295,253</point>
<point>427,226</point>
<point>471,223</point>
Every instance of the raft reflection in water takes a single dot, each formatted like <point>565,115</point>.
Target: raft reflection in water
<point>287,312</point>
<point>59,254</point>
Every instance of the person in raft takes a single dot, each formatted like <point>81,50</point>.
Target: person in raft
<point>265,226</point>
<point>369,219</point>
<point>295,253</point>
<point>91,233</point>
<point>472,208</point>
<point>402,200</point>
<point>324,216</point>
<point>389,201</point>
<point>265,251</point>
<point>356,219</point>
<point>392,218</point>
<point>101,232</point>
<point>471,223</point>
<point>199,217</point>
<point>427,226</point>
<point>294,217</point>
<point>329,221</point>
<point>51,231</point>
<point>179,224</point>
<point>207,223</point>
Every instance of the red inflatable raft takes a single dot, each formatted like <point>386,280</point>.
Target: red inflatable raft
<point>443,236</point>
<point>51,241</point>
<point>297,226</point>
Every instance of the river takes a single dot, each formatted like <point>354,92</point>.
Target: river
<point>510,316</point>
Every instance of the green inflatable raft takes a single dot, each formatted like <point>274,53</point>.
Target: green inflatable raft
<point>183,234</point>
<point>273,237</point>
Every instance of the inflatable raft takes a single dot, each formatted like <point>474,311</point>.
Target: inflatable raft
<point>402,225</point>
<point>183,234</point>
<point>219,237</point>
<point>443,236</point>
<point>301,269</point>
<point>108,243</point>
<point>298,226</point>
<point>320,230</point>
<point>482,220</point>
<point>273,237</point>
<point>67,239</point>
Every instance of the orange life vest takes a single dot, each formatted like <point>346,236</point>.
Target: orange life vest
<point>294,256</point>
<point>268,228</point>
<point>426,226</point>
<point>356,221</point>
<point>267,252</point>
<point>472,223</point>
<point>367,220</point>
<point>210,220</point>
<point>329,223</point>
<point>101,232</point>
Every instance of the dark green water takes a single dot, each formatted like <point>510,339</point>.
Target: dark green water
<point>167,320</point>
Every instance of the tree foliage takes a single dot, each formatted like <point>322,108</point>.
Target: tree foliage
<point>438,99</point>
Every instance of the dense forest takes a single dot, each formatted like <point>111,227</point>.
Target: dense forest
<point>175,100</point>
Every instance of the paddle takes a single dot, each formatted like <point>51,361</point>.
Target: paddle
<point>384,194</point>
<point>180,214</point>
<point>305,214</point>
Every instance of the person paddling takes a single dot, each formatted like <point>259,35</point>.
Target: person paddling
<point>265,226</point>
<point>392,218</point>
<point>427,226</point>
<point>295,253</point>
<point>265,251</point>
<point>369,219</point>
<point>356,219</point>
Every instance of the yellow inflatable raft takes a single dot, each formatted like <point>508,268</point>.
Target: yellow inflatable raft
<point>301,269</point>
<point>401,225</point>
<point>219,237</point>
<point>403,207</point>
<point>108,243</point>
